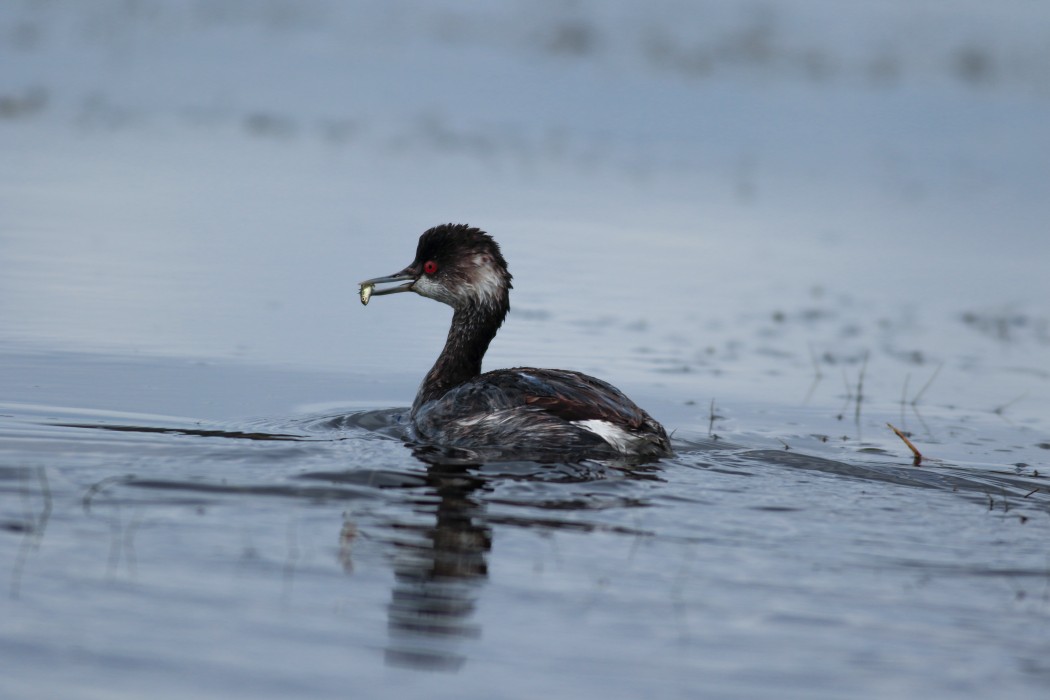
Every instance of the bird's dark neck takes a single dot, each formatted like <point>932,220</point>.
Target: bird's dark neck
<point>473,328</point>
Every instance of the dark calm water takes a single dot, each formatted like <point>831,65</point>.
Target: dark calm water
<point>774,238</point>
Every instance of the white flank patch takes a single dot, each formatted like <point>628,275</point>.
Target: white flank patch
<point>610,432</point>
<point>484,418</point>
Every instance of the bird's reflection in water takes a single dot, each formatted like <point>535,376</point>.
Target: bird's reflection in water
<point>439,567</point>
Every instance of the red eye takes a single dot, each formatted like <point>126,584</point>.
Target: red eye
<point>430,267</point>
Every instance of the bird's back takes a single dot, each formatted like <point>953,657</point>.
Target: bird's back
<point>539,409</point>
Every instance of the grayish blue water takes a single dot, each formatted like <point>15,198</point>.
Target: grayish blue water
<point>778,227</point>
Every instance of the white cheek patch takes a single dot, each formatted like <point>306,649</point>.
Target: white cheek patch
<point>424,286</point>
<point>482,284</point>
<point>486,280</point>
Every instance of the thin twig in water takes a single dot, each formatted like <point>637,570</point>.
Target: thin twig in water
<point>904,396</point>
<point>849,395</point>
<point>926,386</point>
<point>860,386</point>
<point>999,409</point>
<point>817,374</point>
<point>32,529</point>
<point>914,450</point>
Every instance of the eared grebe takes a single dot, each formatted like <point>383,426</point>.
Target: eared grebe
<point>524,410</point>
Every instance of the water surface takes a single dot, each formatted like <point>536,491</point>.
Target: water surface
<point>776,239</point>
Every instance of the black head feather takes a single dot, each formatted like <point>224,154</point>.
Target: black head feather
<point>448,243</point>
<point>468,267</point>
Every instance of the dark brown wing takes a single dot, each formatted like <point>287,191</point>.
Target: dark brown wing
<point>572,396</point>
<point>534,407</point>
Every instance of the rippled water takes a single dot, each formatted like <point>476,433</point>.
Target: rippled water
<point>774,239</point>
<point>318,554</point>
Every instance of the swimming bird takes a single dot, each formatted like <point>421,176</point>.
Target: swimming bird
<point>523,410</point>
